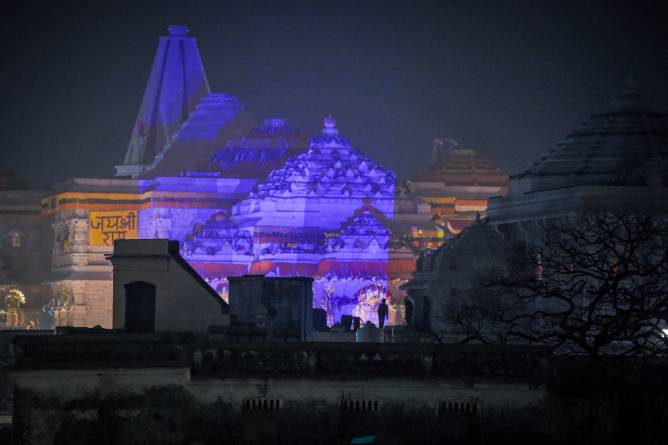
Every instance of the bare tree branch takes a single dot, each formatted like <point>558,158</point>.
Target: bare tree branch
<point>595,284</point>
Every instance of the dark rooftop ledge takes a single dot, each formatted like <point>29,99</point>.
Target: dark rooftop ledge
<point>99,365</point>
<point>211,356</point>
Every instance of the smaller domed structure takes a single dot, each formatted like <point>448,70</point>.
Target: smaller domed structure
<point>452,272</point>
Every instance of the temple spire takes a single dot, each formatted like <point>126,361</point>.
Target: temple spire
<point>329,126</point>
<point>175,86</point>
<point>630,97</point>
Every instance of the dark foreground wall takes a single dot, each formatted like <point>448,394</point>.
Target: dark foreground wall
<point>170,414</point>
<point>185,390</point>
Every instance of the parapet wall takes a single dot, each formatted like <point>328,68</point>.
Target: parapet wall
<point>209,355</point>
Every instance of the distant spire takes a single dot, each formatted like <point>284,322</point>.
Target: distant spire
<point>178,30</point>
<point>441,148</point>
<point>630,96</point>
<point>329,124</point>
<point>175,86</point>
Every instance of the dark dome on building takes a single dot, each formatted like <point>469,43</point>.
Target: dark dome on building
<point>472,249</point>
<point>619,148</point>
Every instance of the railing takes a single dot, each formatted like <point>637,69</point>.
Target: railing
<point>209,356</point>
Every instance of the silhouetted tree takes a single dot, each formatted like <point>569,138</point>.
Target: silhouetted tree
<point>596,284</point>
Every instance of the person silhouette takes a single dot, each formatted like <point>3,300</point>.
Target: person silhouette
<point>382,313</point>
<point>409,311</point>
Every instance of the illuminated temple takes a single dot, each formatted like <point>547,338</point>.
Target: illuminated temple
<point>242,198</point>
<point>448,196</point>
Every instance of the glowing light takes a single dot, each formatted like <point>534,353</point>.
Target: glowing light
<point>15,298</point>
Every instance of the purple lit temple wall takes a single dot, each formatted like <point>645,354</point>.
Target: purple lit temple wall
<point>323,213</point>
<point>349,265</point>
<point>176,204</point>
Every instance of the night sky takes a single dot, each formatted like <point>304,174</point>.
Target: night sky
<point>506,78</point>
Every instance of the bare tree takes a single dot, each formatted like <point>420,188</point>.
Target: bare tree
<point>596,284</point>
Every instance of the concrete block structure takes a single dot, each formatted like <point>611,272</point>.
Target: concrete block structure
<point>156,290</point>
<point>282,306</point>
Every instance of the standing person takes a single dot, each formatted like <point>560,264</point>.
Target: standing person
<point>382,313</point>
<point>409,311</point>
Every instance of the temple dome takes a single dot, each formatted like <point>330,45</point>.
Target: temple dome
<point>218,236</point>
<point>460,166</point>
<point>619,147</point>
<point>330,168</point>
<point>367,226</point>
<point>472,249</point>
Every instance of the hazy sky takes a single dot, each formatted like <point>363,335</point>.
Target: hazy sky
<point>508,78</point>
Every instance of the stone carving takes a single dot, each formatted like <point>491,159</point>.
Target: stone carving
<point>330,168</point>
<point>218,236</point>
